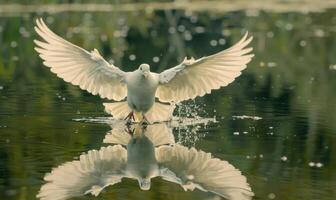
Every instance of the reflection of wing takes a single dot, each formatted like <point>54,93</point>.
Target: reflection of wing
<point>90,174</point>
<point>117,136</point>
<point>196,169</point>
<point>158,134</point>
<point>194,78</point>
<point>86,69</point>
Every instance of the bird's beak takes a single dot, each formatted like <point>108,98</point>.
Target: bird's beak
<point>146,74</point>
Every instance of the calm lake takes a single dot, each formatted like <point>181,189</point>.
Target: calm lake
<point>276,123</point>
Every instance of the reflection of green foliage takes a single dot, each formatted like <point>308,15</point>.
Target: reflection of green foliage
<point>296,97</point>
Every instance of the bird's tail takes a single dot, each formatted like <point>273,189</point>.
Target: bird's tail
<point>119,110</point>
<point>158,113</point>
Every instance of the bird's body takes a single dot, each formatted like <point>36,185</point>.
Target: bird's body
<point>141,88</point>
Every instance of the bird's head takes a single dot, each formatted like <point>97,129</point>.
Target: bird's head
<point>144,69</point>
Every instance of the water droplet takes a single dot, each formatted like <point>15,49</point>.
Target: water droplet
<point>172,30</point>
<point>271,64</point>
<point>24,32</point>
<point>332,67</point>
<point>303,43</point>
<point>132,57</point>
<point>111,61</point>
<point>181,28</point>
<point>271,196</point>
<point>15,58</point>
<point>226,32</point>
<point>284,158</point>
<point>13,44</point>
<point>187,36</point>
<point>156,59</point>
<point>311,164</point>
<point>222,41</point>
<point>199,29</point>
<point>117,33</point>
<point>270,34</point>
<point>262,64</point>
<point>319,33</point>
<point>289,27</point>
<point>213,43</point>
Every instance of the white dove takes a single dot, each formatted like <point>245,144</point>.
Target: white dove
<point>189,79</point>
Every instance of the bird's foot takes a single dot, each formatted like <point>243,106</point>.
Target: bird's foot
<point>128,123</point>
<point>129,130</point>
<point>129,118</point>
<point>144,120</point>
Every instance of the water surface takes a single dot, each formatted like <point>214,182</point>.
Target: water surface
<point>275,123</point>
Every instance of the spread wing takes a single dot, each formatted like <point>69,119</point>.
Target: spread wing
<point>194,78</point>
<point>73,64</point>
<point>90,174</point>
<point>196,169</point>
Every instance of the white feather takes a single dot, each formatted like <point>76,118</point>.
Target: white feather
<point>187,80</point>
<point>73,64</point>
<point>194,78</point>
<point>196,169</point>
<point>90,174</point>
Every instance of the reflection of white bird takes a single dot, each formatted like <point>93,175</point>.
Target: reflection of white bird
<point>144,160</point>
<point>187,80</point>
<point>196,169</point>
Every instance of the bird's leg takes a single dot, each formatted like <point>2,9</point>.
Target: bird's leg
<point>129,130</point>
<point>144,120</point>
<point>129,118</point>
